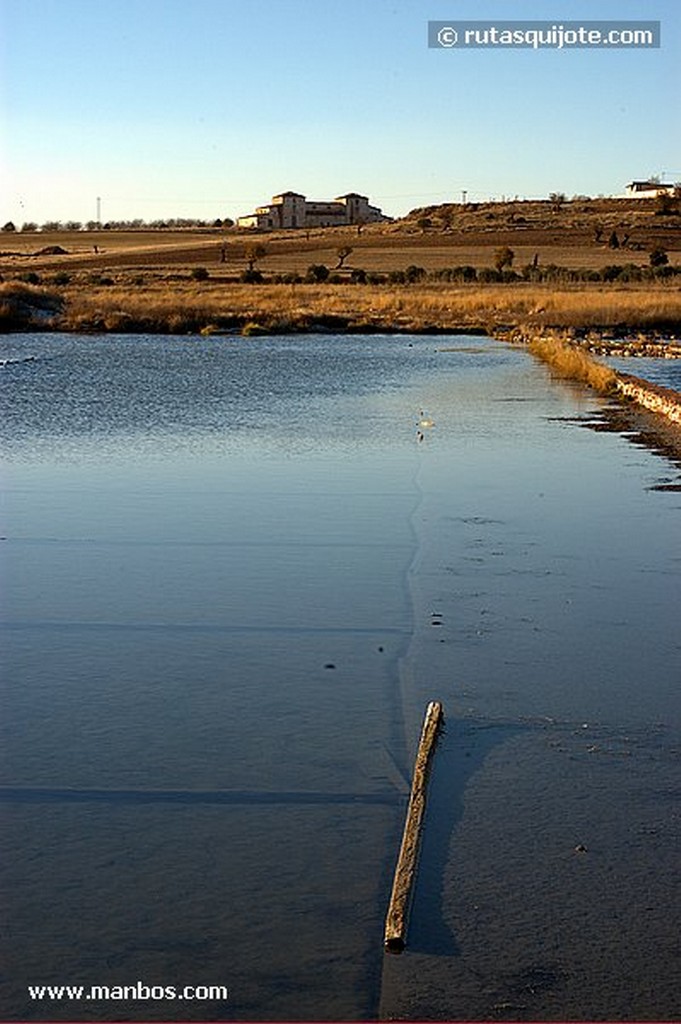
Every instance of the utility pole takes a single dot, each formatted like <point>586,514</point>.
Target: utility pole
<point>99,211</point>
<point>464,193</point>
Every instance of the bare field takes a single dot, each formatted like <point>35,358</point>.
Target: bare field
<point>575,236</point>
<point>373,255</point>
<point>143,279</point>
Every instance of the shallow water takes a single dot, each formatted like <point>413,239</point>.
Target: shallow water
<point>666,372</point>
<point>235,575</point>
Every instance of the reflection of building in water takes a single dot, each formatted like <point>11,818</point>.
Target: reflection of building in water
<point>293,210</point>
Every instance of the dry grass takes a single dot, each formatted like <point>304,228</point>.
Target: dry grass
<point>182,306</point>
<point>574,363</point>
<point>23,306</point>
<point>191,306</point>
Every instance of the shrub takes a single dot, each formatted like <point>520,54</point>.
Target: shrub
<point>413,274</point>
<point>317,272</point>
<point>487,275</point>
<point>251,277</point>
<point>29,277</point>
<point>288,278</point>
<point>631,272</point>
<point>199,274</point>
<point>61,278</point>
<point>658,257</point>
<point>358,276</point>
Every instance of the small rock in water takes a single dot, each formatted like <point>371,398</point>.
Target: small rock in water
<point>329,664</point>
<point>580,848</point>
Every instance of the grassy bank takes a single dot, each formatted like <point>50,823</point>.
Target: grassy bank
<point>135,304</point>
<point>573,363</point>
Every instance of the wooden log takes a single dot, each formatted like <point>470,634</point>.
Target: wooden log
<point>395,936</point>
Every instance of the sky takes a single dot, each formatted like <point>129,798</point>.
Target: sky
<point>207,108</point>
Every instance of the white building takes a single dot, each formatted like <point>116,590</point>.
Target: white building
<point>293,210</point>
<point>648,189</point>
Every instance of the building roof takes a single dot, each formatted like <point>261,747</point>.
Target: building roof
<point>639,185</point>
<point>280,195</point>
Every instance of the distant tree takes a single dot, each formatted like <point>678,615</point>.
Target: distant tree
<point>255,253</point>
<point>446,220</point>
<point>613,241</point>
<point>503,257</point>
<point>666,204</point>
<point>556,199</point>
<point>29,226</point>
<point>92,225</point>
<point>51,225</point>
<point>9,226</point>
<point>73,225</point>
<point>598,233</point>
<point>424,223</point>
<point>199,274</point>
<point>658,257</point>
<point>227,222</point>
<point>342,252</point>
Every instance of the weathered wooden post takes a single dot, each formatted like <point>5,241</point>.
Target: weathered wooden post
<point>398,910</point>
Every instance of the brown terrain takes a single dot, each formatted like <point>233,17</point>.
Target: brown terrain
<point>190,280</point>
<point>432,238</point>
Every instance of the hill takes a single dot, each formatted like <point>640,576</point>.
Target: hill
<point>578,234</point>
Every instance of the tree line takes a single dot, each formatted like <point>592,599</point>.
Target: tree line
<point>137,224</point>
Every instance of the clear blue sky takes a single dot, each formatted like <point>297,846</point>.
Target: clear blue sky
<point>206,108</point>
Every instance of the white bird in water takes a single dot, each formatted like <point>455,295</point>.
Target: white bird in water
<point>425,421</point>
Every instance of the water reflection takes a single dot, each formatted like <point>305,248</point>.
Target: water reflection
<point>197,530</point>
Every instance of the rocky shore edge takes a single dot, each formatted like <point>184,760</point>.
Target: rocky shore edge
<point>571,356</point>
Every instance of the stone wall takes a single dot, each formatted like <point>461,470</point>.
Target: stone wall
<point>652,396</point>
